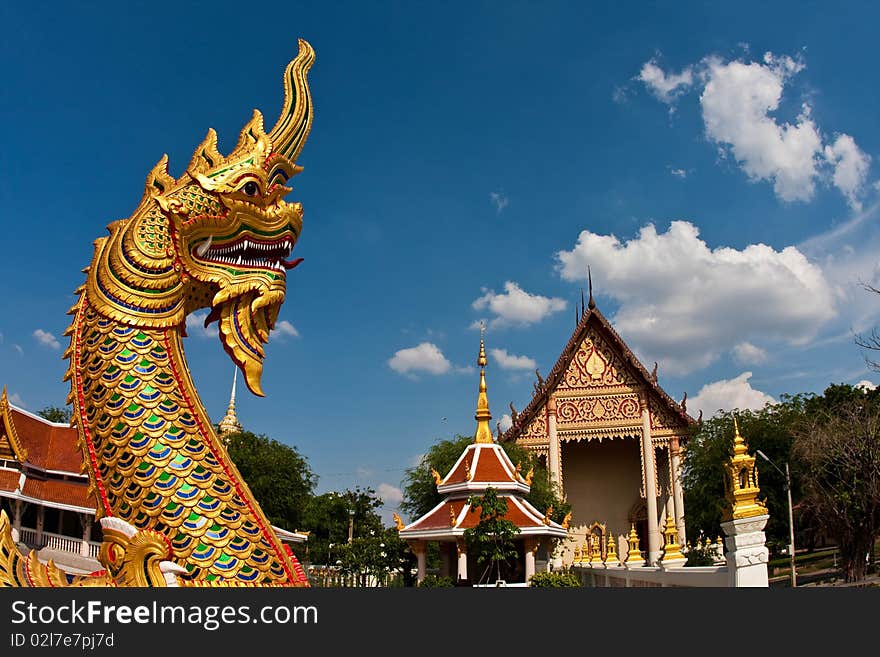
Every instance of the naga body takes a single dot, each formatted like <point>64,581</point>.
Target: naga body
<point>173,508</point>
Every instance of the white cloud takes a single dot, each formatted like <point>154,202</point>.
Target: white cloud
<point>46,339</point>
<point>18,348</point>
<point>506,422</point>
<point>748,354</point>
<point>390,495</point>
<point>683,304</point>
<point>515,306</point>
<point>286,329</point>
<point>678,173</point>
<point>425,357</point>
<point>850,168</point>
<point>508,361</point>
<point>665,86</point>
<point>195,325</point>
<point>728,394</point>
<point>499,200</point>
<point>736,103</point>
<point>16,399</point>
<point>865,385</point>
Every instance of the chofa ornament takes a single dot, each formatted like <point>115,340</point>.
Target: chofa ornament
<point>173,508</point>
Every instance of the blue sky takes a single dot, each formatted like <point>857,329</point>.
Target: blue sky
<point>715,166</point>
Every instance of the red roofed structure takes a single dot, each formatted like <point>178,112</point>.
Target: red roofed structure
<point>484,464</point>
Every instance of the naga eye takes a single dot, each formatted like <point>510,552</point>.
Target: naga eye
<point>250,188</point>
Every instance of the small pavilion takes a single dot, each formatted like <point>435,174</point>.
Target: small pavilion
<point>482,465</point>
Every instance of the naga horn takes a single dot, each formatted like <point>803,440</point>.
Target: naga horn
<point>289,134</point>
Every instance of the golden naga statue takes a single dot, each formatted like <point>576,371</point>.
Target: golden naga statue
<point>174,510</point>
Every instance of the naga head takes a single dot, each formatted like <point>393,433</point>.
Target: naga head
<point>219,237</point>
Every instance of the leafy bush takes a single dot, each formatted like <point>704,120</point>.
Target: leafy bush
<point>436,582</point>
<point>554,580</point>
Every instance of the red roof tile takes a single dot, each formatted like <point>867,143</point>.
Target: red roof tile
<point>9,480</point>
<point>62,492</point>
<point>48,446</point>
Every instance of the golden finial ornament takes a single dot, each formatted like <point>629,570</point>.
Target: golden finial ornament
<point>595,548</point>
<point>671,548</point>
<point>566,521</point>
<point>634,556</point>
<point>577,554</point>
<point>482,416</point>
<point>547,515</point>
<point>229,424</point>
<point>741,478</point>
<point>398,521</point>
<point>529,475</point>
<point>437,478</point>
<point>611,551</point>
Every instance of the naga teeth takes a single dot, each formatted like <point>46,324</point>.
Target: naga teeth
<point>202,249</point>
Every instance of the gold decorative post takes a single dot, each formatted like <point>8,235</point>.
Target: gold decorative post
<point>671,549</point>
<point>611,550</point>
<point>742,482</point>
<point>634,556</point>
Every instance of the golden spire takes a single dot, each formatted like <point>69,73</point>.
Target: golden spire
<point>229,423</point>
<point>484,433</point>
<point>742,481</point>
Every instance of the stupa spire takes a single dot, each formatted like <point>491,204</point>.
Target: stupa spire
<point>229,423</point>
<point>484,432</point>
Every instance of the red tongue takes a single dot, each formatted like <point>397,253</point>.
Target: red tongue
<point>213,316</point>
<point>292,263</point>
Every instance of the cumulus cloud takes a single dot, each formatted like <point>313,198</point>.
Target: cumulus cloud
<point>850,168</point>
<point>286,329</point>
<point>195,325</point>
<point>729,394</point>
<point>506,422</point>
<point>866,385</point>
<point>517,307</point>
<point>508,361</point>
<point>390,495</point>
<point>739,99</point>
<point>425,357</point>
<point>46,339</point>
<point>748,354</point>
<point>499,200</point>
<point>684,304</point>
<point>665,86</point>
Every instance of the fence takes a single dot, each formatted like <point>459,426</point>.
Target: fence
<point>58,542</point>
<point>333,577</point>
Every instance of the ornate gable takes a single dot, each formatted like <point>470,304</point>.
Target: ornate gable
<point>598,383</point>
<point>10,444</point>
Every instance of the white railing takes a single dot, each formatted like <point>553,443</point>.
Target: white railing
<point>600,575</point>
<point>58,542</point>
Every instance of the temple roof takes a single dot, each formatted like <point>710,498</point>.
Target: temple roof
<point>593,320</point>
<point>483,464</point>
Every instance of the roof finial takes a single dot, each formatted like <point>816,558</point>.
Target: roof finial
<point>582,301</point>
<point>484,433</point>
<point>229,423</point>
<point>591,304</point>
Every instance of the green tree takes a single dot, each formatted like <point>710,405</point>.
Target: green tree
<point>58,414</point>
<point>491,539</point>
<point>837,445</point>
<point>278,476</point>
<point>420,491</point>
<point>328,517</point>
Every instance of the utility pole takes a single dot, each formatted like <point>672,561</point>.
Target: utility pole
<point>787,474</point>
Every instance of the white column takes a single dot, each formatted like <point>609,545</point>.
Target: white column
<point>16,520</point>
<point>531,546</point>
<point>654,540</point>
<point>462,560</point>
<point>419,548</point>
<point>677,492</point>
<point>87,535</point>
<point>553,447</point>
<point>747,553</point>
<point>41,516</point>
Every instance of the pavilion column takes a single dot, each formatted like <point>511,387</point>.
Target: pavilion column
<point>41,516</point>
<point>17,509</point>
<point>654,541</point>
<point>462,560</point>
<point>419,548</point>
<point>531,547</point>
<point>446,559</point>
<point>553,447</point>
<point>677,492</point>
<point>87,535</point>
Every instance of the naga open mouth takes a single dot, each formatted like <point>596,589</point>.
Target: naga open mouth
<point>248,252</point>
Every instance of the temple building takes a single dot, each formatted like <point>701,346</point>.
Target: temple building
<point>610,437</point>
<point>484,464</point>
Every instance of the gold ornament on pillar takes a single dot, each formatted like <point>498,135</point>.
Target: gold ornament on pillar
<point>741,478</point>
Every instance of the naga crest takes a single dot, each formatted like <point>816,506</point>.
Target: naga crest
<point>218,237</point>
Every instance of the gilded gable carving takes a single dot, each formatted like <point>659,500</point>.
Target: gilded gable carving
<point>536,431</point>
<point>598,410</point>
<point>663,421</point>
<point>596,365</point>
